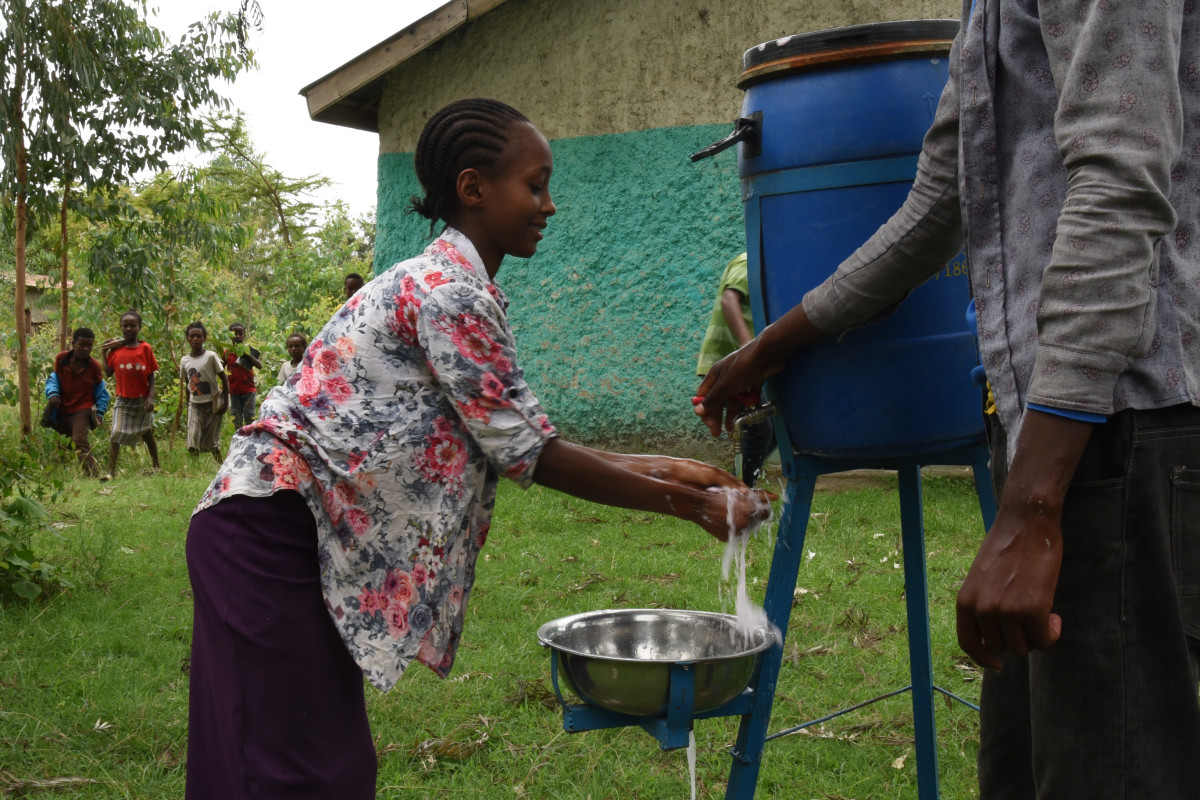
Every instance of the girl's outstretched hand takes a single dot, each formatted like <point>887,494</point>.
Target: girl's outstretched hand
<point>730,511</point>
<point>727,505</point>
<point>684,471</point>
<point>689,490</point>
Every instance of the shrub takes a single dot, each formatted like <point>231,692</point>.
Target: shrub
<point>25,491</point>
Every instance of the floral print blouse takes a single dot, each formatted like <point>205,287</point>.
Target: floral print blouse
<point>395,428</point>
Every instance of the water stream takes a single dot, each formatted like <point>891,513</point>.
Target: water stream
<point>750,615</point>
<point>691,750</point>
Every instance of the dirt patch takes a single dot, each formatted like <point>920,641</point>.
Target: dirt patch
<point>855,479</point>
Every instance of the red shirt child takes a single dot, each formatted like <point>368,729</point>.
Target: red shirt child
<point>241,367</point>
<point>132,367</point>
<point>133,364</point>
<point>241,376</point>
<point>241,380</point>
<point>77,379</point>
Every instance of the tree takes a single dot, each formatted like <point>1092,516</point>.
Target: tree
<point>278,208</point>
<point>231,239</point>
<point>251,180</point>
<point>153,245</point>
<point>92,95</point>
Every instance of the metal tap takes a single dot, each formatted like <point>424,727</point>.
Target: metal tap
<point>751,416</point>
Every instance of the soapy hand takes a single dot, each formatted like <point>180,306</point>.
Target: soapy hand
<point>735,511</point>
<point>690,472</point>
<point>682,471</point>
<point>707,487</point>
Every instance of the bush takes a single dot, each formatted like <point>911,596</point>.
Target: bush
<point>25,491</point>
<point>24,494</point>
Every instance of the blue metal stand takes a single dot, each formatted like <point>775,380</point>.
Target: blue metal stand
<point>802,472</point>
<point>754,704</point>
<point>670,730</point>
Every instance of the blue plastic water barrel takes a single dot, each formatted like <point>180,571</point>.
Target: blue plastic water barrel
<point>841,115</point>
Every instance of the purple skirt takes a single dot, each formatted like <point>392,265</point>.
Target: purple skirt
<point>276,707</point>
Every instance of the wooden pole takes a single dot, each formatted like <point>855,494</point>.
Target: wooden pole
<point>62,282</point>
<point>22,211</point>
<point>178,410</point>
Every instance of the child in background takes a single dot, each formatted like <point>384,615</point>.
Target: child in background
<point>240,362</point>
<point>352,284</point>
<point>76,396</point>
<point>200,371</point>
<point>133,363</point>
<point>295,347</point>
<point>360,498</point>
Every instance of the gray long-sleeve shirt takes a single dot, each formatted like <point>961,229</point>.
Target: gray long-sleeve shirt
<point>1066,154</point>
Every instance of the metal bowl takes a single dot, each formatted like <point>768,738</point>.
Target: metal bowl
<point>621,659</point>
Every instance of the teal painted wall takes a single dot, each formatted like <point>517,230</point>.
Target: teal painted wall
<point>610,312</point>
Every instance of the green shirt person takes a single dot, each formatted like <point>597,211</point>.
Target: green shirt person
<point>731,324</point>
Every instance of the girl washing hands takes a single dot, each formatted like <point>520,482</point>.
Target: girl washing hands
<point>340,536</point>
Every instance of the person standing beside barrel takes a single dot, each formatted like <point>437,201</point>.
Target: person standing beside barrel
<point>340,537</point>
<point>1065,155</point>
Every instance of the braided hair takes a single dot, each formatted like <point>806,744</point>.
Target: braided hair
<point>463,135</point>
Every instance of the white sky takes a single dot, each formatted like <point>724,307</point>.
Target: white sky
<point>301,41</point>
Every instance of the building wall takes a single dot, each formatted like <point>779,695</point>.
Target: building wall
<point>610,313</point>
<point>591,67</point>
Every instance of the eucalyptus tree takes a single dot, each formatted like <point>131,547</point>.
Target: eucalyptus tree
<point>161,247</point>
<point>281,211</point>
<point>234,237</point>
<point>94,94</point>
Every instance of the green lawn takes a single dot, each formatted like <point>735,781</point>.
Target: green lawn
<point>93,681</point>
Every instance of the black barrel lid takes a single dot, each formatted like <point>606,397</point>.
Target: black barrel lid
<point>875,41</point>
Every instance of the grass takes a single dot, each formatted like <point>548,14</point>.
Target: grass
<point>93,681</point>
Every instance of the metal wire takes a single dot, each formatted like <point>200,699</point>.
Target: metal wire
<point>836,714</point>
<point>953,696</point>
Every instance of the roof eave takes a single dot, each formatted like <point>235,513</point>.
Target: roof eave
<point>349,96</point>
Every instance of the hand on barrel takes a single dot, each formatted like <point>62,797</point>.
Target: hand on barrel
<point>744,370</point>
<point>726,386</point>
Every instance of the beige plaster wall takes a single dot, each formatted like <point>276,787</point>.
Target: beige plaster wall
<point>591,67</point>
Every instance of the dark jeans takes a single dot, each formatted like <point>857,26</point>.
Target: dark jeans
<point>1111,710</point>
<point>241,409</point>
